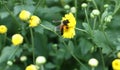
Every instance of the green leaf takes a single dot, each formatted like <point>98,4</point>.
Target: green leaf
<point>4,14</point>
<point>87,27</point>
<point>48,25</point>
<point>100,41</point>
<point>50,65</point>
<point>39,29</point>
<point>85,46</point>
<point>8,51</point>
<point>71,46</point>
<point>99,38</point>
<point>50,13</point>
<point>18,8</point>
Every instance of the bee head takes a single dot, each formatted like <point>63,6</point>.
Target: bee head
<point>65,22</point>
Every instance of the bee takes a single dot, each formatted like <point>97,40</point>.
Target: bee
<point>64,24</point>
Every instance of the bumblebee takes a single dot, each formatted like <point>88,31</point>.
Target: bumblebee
<point>64,24</point>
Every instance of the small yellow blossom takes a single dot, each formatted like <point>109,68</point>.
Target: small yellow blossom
<point>3,29</point>
<point>116,64</point>
<point>68,33</point>
<point>17,39</point>
<point>71,20</point>
<point>31,67</point>
<point>34,21</point>
<point>68,28</point>
<point>24,15</point>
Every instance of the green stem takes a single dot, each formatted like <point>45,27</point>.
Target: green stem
<point>42,67</point>
<point>75,1</point>
<point>81,30</point>
<point>49,29</point>
<point>95,4</point>
<point>4,41</point>
<point>38,4</point>
<point>102,58</point>
<point>74,55</point>
<point>32,41</point>
<point>86,14</point>
<point>66,47</point>
<point>13,53</point>
<point>107,39</point>
<point>16,22</point>
<point>93,68</point>
<point>0,43</point>
<point>94,24</point>
<point>25,63</point>
<point>116,9</point>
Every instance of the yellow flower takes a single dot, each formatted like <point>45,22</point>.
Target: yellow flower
<point>116,64</point>
<point>71,20</point>
<point>24,15</point>
<point>34,21</point>
<point>68,33</point>
<point>31,67</point>
<point>17,39</point>
<point>3,29</point>
<point>68,26</point>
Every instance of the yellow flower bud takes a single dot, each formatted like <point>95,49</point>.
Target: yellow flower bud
<point>17,39</point>
<point>24,15</point>
<point>31,67</point>
<point>3,29</point>
<point>34,21</point>
<point>116,64</point>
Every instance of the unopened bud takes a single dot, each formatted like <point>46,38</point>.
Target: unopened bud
<point>118,54</point>
<point>108,18</point>
<point>23,58</point>
<point>96,12</point>
<point>40,60</point>
<point>84,5</point>
<point>10,63</point>
<point>106,5</point>
<point>66,7</point>
<point>91,15</point>
<point>73,9</point>
<point>93,62</point>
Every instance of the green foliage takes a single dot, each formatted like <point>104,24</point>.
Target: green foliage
<point>96,36</point>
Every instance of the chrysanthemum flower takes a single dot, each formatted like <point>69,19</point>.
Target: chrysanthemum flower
<point>24,15</point>
<point>3,29</point>
<point>68,26</point>
<point>34,21</point>
<point>116,64</point>
<point>17,39</point>
<point>31,67</point>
